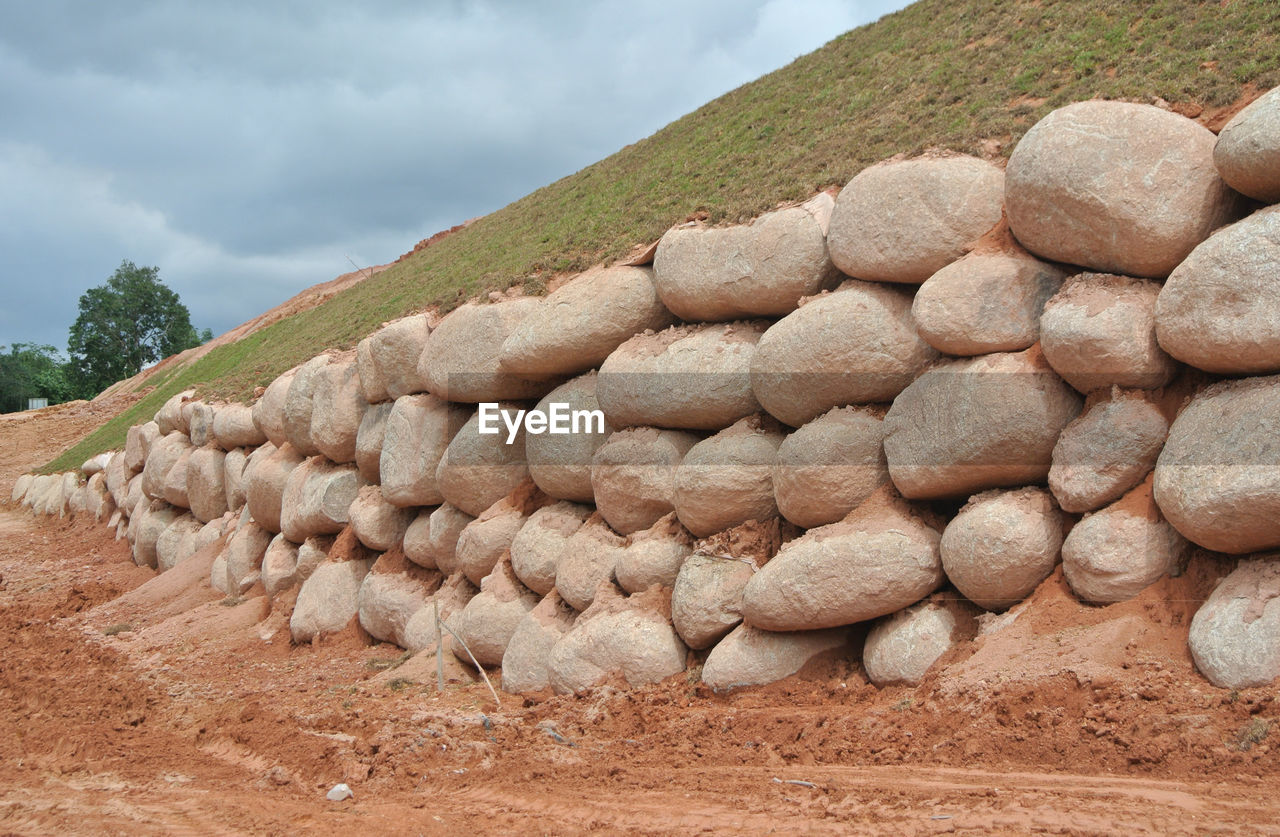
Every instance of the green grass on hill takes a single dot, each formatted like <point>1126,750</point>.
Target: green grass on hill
<point>940,73</point>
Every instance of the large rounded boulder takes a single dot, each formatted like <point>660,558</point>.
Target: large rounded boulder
<point>727,479</point>
<point>904,220</point>
<point>858,345</point>
<point>479,468</point>
<point>1247,152</point>
<point>387,360</point>
<point>1099,331</point>
<point>761,269</point>
<point>1116,187</point>
<point>583,321</point>
<point>881,558</point>
<point>560,463</point>
<point>1218,477</point>
<point>1220,309</point>
<point>633,475</point>
<point>985,302</point>
<point>830,466</point>
<point>984,422</point>
<point>417,433</point>
<point>690,377</point>
<point>1113,554</point>
<point>751,657</point>
<point>1235,635</point>
<point>461,361</point>
<point>1107,450</point>
<point>1001,545</point>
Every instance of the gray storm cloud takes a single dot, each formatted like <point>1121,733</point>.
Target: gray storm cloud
<point>248,149</point>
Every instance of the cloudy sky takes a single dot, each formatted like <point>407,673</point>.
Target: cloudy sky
<point>249,148</point>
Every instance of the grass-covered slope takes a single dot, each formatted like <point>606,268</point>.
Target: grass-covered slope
<point>941,73</point>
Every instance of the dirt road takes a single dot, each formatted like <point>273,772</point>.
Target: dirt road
<point>146,704</point>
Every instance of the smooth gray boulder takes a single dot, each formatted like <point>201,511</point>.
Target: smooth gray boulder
<point>1002,544</point>
<point>1235,635</point>
<point>1217,480</point>
<point>881,558</point>
<point>1247,152</point>
<point>984,422</point>
<point>727,479</point>
<point>462,359</point>
<point>633,475</point>
<point>693,377</point>
<point>1099,331</point>
<point>560,463</point>
<point>751,657</point>
<point>904,220</point>
<point>583,321</point>
<point>985,302</point>
<point>1116,187</point>
<point>759,269</point>
<point>417,432</point>
<point>857,345</point>
<point>1107,450</point>
<point>1220,309</point>
<point>830,466</point>
<point>1113,554</point>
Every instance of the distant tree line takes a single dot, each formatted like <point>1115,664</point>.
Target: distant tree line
<point>128,323</point>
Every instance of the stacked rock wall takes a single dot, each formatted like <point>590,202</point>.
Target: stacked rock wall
<point>842,430</point>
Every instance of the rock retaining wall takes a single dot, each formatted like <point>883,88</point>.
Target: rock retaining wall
<point>896,406</point>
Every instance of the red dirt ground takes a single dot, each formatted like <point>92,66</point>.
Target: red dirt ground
<point>137,703</point>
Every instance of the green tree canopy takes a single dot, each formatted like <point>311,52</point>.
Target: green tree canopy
<point>29,370</point>
<point>131,321</point>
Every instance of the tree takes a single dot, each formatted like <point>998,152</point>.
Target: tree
<point>131,321</point>
<point>29,370</point>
